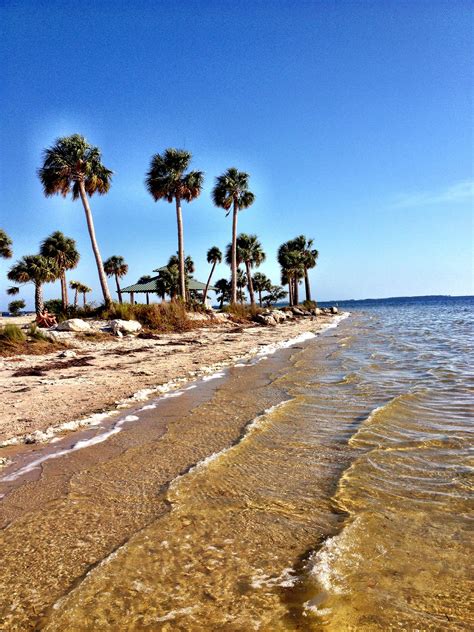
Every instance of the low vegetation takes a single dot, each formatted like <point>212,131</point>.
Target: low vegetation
<point>15,341</point>
<point>161,317</point>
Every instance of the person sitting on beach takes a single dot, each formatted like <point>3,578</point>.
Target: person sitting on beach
<point>45,319</point>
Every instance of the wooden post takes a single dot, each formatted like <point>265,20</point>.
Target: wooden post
<point>147,298</point>
<point>132,298</point>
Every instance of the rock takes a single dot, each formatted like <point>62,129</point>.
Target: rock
<point>279,316</point>
<point>317,311</point>
<point>334,310</point>
<point>266,319</point>
<point>125,326</point>
<point>69,353</point>
<point>297,311</point>
<point>74,324</point>
<point>4,461</point>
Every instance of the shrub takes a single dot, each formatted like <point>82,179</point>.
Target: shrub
<point>242,313</point>
<point>309,305</point>
<point>12,333</point>
<point>165,317</point>
<point>123,311</point>
<point>15,307</point>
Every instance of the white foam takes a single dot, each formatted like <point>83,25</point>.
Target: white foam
<point>286,579</point>
<point>215,376</point>
<point>176,613</point>
<point>250,428</point>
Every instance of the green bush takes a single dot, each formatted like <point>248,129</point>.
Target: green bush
<point>15,307</point>
<point>12,333</point>
<point>123,311</point>
<point>309,305</point>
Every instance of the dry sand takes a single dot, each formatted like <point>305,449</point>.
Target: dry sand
<point>104,374</point>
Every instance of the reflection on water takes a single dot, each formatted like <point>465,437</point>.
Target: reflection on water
<point>343,506</point>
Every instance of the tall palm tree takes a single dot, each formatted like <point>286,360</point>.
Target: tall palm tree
<point>249,251</point>
<point>5,245</point>
<point>84,289</point>
<point>242,283</point>
<point>115,266</point>
<point>309,257</point>
<point>290,259</point>
<point>71,165</point>
<point>231,192</point>
<point>167,179</point>
<point>214,256</point>
<point>75,285</point>
<point>63,251</point>
<point>34,269</point>
<point>261,283</point>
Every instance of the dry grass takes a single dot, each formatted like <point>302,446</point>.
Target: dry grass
<point>242,313</point>
<point>162,317</point>
<point>14,341</point>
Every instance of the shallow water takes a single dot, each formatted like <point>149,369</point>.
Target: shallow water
<point>331,491</point>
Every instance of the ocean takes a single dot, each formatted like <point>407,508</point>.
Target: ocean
<point>344,503</point>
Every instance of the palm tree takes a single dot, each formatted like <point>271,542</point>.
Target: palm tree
<point>242,282</point>
<point>71,165</point>
<point>5,245</point>
<point>167,179</point>
<point>75,285</point>
<point>34,269</point>
<point>249,251</point>
<point>84,289</point>
<point>231,192</point>
<point>63,251</point>
<point>13,290</point>
<point>290,259</point>
<point>116,266</point>
<point>223,291</point>
<point>261,283</point>
<point>309,257</point>
<point>214,256</point>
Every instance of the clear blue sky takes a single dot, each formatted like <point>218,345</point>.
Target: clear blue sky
<point>354,120</point>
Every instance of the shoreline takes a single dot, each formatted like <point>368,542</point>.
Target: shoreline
<point>62,403</point>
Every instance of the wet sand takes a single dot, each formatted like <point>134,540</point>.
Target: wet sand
<point>115,370</point>
<point>63,517</point>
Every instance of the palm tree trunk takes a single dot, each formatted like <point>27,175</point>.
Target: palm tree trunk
<point>208,283</point>
<point>250,283</point>
<point>39,304</point>
<point>233,295</point>
<point>260,298</point>
<point>119,293</point>
<point>95,247</point>
<point>63,290</point>
<point>290,291</point>
<point>76,293</point>
<point>182,278</point>
<point>307,285</point>
<point>84,299</point>
<point>295,296</point>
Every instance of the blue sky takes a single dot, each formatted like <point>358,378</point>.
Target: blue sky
<point>354,120</point>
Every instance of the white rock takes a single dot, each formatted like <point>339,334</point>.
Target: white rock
<point>69,353</point>
<point>125,326</point>
<point>74,324</point>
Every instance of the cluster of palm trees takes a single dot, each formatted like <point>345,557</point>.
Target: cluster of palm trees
<point>57,254</point>
<point>73,166</point>
<point>296,257</point>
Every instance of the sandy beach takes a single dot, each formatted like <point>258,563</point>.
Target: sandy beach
<point>98,376</point>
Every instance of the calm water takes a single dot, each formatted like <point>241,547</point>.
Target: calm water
<point>342,505</point>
